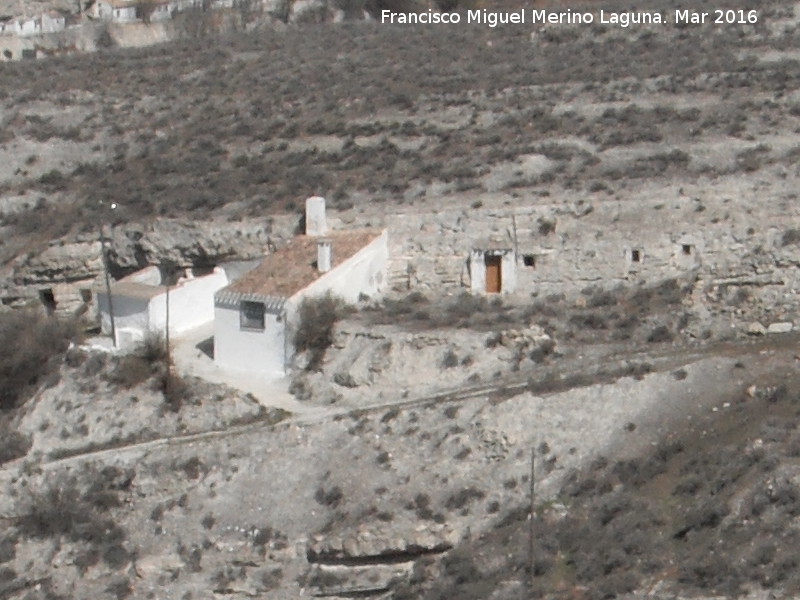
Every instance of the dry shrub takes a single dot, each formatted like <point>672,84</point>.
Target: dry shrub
<point>62,510</point>
<point>13,444</point>
<point>317,318</point>
<point>149,360</point>
<point>38,344</point>
<point>153,348</point>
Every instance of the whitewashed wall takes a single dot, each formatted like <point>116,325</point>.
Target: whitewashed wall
<point>259,352</point>
<point>267,352</point>
<point>130,315</point>
<point>191,304</point>
<point>363,273</point>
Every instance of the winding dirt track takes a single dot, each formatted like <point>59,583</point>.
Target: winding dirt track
<point>579,374</point>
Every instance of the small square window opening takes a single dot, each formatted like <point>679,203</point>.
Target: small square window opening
<point>251,315</point>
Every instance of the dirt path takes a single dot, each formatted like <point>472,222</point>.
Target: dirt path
<point>764,351</point>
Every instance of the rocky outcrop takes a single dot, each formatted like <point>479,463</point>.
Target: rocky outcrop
<point>382,546</point>
<point>63,260</point>
<point>133,246</point>
<point>188,243</point>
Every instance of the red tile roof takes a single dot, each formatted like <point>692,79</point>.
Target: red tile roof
<point>294,267</point>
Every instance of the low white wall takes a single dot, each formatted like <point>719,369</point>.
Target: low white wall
<point>130,313</point>
<point>191,304</point>
<point>257,352</point>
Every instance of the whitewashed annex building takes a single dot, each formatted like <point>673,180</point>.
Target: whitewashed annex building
<point>255,317</point>
<point>139,303</point>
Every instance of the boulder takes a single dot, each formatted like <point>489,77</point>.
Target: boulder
<point>781,327</point>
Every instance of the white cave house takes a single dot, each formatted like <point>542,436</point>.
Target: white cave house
<point>255,317</point>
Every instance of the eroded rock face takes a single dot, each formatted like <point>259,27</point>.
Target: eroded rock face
<point>376,544</point>
<point>188,243</point>
<point>62,261</point>
<point>134,246</point>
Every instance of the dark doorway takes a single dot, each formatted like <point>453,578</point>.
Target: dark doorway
<point>48,300</point>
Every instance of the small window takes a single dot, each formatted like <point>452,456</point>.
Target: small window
<point>252,315</point>
<point>636,256</point>
<point>686,249</point>
<point>86,296</point>
<point>529,260</point>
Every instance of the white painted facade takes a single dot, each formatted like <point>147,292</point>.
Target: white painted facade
<point>364,273</point>
<point>140,305</point>
<point>237,348</point>
<point>508,270</point>
<point>124,14</point>
<point>53,23</point>
<point>268,351</point>
<point>121,11</point>
<point>131,318</point>
<point>22,26</point>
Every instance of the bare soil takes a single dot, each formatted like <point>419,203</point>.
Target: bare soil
<point>186,128</point>
<point>657,479</point>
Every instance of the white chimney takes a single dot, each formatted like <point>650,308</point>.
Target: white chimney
<point>316,224</point>
<point>324,255</point>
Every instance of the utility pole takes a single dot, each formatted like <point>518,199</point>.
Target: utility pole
<point>167,272</point>
<point>108,283</point>
<point>166,334</point>
<point>514,228</point>
<point>532,529</point>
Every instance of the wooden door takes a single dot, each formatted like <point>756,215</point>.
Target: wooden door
<point>493,278</point>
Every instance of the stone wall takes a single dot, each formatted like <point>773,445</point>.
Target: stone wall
<point>565,246</point>
<point>722,236</point>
